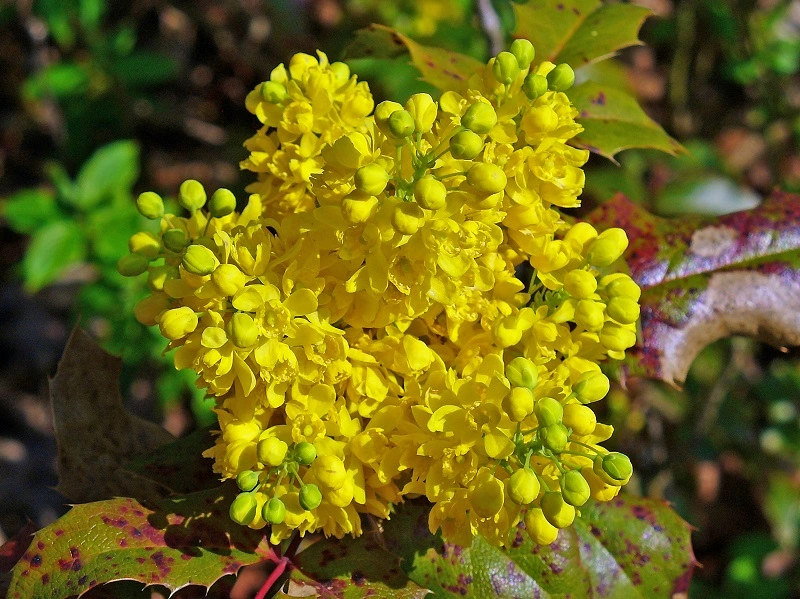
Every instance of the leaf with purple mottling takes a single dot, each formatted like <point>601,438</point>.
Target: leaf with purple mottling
<point>703,279</point>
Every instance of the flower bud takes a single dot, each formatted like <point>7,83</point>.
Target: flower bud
<point>521,372</point>
<point>177,323</point>
<point>555,437</point>
<point>591,386</point>
<point>608,247</point>
<point>243,509</point>
<point>624,286</point>
<point>539,119</point>
<point>305,453</point>
<point>423,110</point>
<point>247,480</point>
<point>222,203</point>
<point>371,179</point>
<point>430,193</point>
<point>357,208</point>
<point>146,244</point>
<point>191,195</point>
<point>132,265</point>
<point>561,78</point>
<point>523,487</point>
<point>579,236</point>
<point>506,68</point>
<point>549,411</point>
<point>580,419</point>
<point>523,51</point>
<point>518,404</point>
<point>310,497</point>
<point>228,279</point>
<point>199,260</point>
<point>486,497</point>
<point>590,314</point>
<point>574,488</point>
<point>329,471</point>
<point>273,92</point>
<point>479,118</point>
<point>148,310</point>
<point>341,71</point>
<point>539,529</point>
<point>274,511</point>
<point>623,309</point>
<point>159,275</point>
<point>534,85</point>
<point>407,218</point>
<point>488,178</point>
<point>382,113</point>
<point>401,124</point>
<point>557,511</point>
<point>175,240</point>
<point>242,330</point>
<point>580,283</point>
<point>613,469</point>
<point>271,451</point>
<point>617,338</point>
<point>600,490</point>
<point>150,205</point>
<point>465,145</point>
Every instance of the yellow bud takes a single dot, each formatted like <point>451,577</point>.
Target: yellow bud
<point>519,403</point>
<point>150,205</point>
<point>228,279</point>
<point>479,118</point>
<point>382,113</point>
<point>423,110</point>
<point>191,195</point>
<point>539,119</point>
<point>590,314</point>
<point>599,490</point>
<point>521,372</point>
<point>539,529</point>
<point>580,419</point>
<point>574,488</point>
<point>145,244</point>
<point>561,78</point>
<point>407,218</point>
<point>579,236</point>
<point>555,437</point>
<point>371,179</point>
<point>591,386</point>
<point>132,265</point>
<point>177,323</point>
<point>159,275</point>
<point>580,283</point>
<point>343,496</point>
<point>222,203</point>
<point>243,509</point>
<point>430,193</point>
<point>623,309</point>
<point>506,68</point>
<point>273,92</point>
<point>310,497</point>
<point>488,178</point>
<point>624,286</point>
<point>507,332</point>
<point>175,240</point>
<point>341,70</point>
<point>523,487</point>
<point>329,471</point>
<point>557,511</point>
<point>523,51</point>
<point>357,208</point>
<point>534,85</point>
<point>148,310</point>
<point>401,124</point>
<point>465,145</point>
<point>617,338</point>
<point>199,260</point>
<point>608,247</point>
<point>486,497</point>
<point>271,451</point>
<point>242,330</point>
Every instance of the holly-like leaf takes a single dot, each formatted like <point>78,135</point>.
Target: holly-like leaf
<point>180,541</point>
<point>613,121</point>
<point>95,434</point>
<point>703,279</point>
<point>627,548</point>
<point>578,32</point>
<point>443,69</point>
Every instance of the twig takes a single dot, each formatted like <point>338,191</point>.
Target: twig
<point>273,578</point>
<point>490,23</point>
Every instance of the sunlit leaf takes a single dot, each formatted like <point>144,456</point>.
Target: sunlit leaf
<point>52,249</point>
<point>30,209</point>
<point>60,80</point>
<point>111,170</point>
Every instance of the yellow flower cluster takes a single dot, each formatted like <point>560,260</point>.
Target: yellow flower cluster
<point>363,322</point>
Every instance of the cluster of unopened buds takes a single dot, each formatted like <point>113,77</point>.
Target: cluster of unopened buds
<point>363,323</point>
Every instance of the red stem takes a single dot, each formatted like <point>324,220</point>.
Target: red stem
<point>273,578</point>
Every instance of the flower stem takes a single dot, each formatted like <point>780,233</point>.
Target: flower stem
<point>273,578</point>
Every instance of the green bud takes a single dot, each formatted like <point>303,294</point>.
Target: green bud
<point>580,283</point>
<point>488,178</point>
<point>506,68</point>
<point>555,437</point>
<point>243,332</point>
<point>222,203</point>
<point>523,51</point>
<point>274,511</point>
<point>310,497</point>
<point>401,123</point>
<point>608,247</point>
<point>191,195</point>
<point>623,309</point>
<point>534,85</point>
<point>132,265</point>
<point>591,386</point>
<point>243,509</point>
<point>613,469</point>
<point>465,145</point>
<point>199,260</point>
<point>549,411</point>
<point>383,111</point>
<point>305,453</point>
<point>247,480</point>
<point>521,372</point>
<point>523,487</point>
<point>146,244</point>
<point>479,118</point>
<point>430,193</point>
<point>371,179</point>
<point>574,488</point>
<point>150,205</point>
<point>558,512</point>
<point>561,78</point>
<point>175,240</point>
<point>273,92</point>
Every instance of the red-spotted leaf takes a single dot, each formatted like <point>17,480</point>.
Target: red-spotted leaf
<point>628,548</point>
<point>188,540</point>
<point>703,279</point>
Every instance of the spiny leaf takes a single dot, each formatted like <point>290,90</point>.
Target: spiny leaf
<point>187,540</point>
<point>708,278</point>
<point>95,434</point>
<point>613,121</point>
<point>627,548</point>
<point>443,69</point>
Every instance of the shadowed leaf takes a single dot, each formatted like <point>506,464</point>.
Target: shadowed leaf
<point>95,434</point>
<point>180,541</point>
<point>52,249</point>
<point>704,279</point>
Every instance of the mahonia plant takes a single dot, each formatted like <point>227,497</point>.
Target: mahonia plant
<point>363,323</point>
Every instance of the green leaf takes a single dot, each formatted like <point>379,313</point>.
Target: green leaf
<point>630,547</point>
<point>613,121</point>
<point>578,32</point>
<point>443,69</point>
<point>142,69</point>
<point>90,12</point>
<point>31,209</point>
<point>58,16</point>
<point>52,249</point>
<point>109,229</point>
<point>60,80</point>
<point>179,541</point>
<point>703,279</point>
<point>111,170</point>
